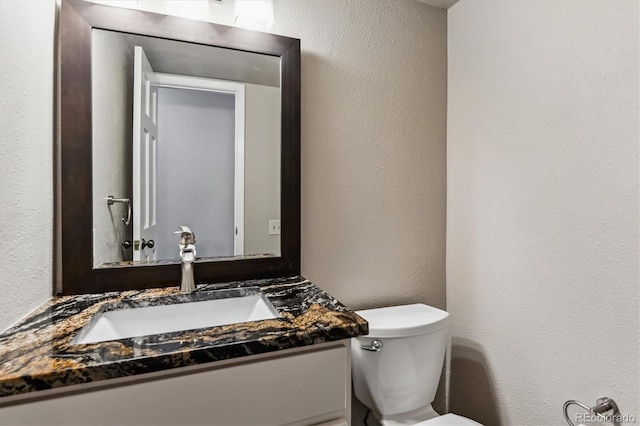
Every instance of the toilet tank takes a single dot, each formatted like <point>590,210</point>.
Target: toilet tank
<point>403,376</point>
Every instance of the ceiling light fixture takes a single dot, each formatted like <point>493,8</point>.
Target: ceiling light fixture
<point>254,14</point>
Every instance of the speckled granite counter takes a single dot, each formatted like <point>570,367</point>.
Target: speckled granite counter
<point>38,354</point>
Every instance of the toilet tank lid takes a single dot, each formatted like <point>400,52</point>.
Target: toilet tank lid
<point>404,320</point>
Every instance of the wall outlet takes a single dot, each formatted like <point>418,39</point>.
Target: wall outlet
<point>274,227</point>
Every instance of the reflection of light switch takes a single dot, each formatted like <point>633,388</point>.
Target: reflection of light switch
<point>274,227</point>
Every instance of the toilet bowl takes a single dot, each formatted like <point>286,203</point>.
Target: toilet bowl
<point>396,367</point>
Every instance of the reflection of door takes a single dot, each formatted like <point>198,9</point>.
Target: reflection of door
<point>145,154</point>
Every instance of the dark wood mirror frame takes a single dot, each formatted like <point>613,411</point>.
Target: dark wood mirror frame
<point>74,228</point>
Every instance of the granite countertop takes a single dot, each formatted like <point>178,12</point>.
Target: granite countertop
<point>37,353</point>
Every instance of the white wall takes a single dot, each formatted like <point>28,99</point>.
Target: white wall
<point>26,156</point>
<point>542,224</point>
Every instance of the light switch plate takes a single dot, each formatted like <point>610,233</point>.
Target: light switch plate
<point>274,227</point>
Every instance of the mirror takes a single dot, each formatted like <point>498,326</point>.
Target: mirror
<point>225,159</point>
<point>210,158</point>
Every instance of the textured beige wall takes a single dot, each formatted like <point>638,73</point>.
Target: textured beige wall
<point>542,226</point>
<point>373,147</point>
<point>26,156</point>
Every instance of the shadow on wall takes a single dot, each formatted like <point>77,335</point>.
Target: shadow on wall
<point>471,388</point>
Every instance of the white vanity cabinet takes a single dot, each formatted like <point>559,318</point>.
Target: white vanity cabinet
<point>302,386</point>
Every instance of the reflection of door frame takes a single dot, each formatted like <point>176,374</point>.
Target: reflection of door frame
<point>237,89</point>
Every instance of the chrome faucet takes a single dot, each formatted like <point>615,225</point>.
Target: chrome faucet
<point>187,257</point>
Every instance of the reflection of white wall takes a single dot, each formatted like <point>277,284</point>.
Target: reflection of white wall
<point>112,77</point>
<point>195,170</point>
<point>262,168</point>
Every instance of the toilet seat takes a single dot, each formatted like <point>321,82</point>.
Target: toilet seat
<point>448,420</point>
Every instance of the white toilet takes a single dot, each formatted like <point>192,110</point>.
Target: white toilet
<point>396,367</point>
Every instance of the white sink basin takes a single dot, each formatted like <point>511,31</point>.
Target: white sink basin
<point>144,321</point>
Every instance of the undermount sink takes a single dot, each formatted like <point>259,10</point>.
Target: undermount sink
<point>187,312</point>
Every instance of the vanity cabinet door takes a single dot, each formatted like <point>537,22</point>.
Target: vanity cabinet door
<point>302,388</point>
<point>279,391</point>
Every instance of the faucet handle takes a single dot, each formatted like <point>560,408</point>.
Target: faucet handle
<point>186,235</point>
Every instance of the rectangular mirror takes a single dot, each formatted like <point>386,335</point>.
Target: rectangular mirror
<point>203,125</point>
<point>184,123</point>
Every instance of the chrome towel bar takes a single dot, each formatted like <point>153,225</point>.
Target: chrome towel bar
<point>111,200</point>
<point>603,406</point>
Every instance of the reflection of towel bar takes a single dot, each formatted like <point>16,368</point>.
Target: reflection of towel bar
<point>111,200</point>
<point>604,404</point>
